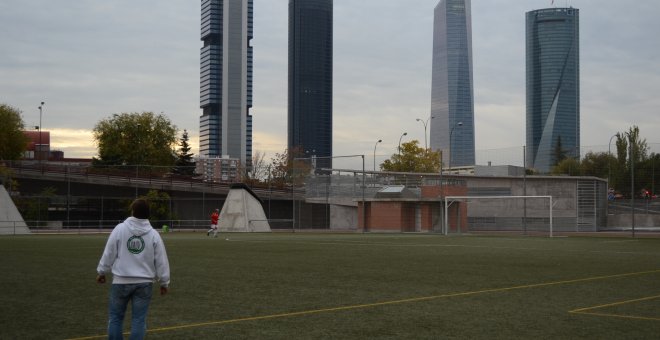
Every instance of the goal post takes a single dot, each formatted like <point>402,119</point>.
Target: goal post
<point>500,213</point>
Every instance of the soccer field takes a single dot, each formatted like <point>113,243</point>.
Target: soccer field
<point>346,286</point>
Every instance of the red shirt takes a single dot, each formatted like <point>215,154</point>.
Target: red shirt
<point>214,217</point>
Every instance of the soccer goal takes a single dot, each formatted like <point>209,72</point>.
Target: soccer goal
<point>514,214</point>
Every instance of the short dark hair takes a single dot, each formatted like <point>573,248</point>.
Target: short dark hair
<point>140,208</point>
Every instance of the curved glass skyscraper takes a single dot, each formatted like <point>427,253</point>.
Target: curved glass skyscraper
<point>310,79</point>
<point>553,86</point>
<point>452,96</point>
<point>225,127</point>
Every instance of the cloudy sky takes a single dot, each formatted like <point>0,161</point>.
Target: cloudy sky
<point>88,59</point>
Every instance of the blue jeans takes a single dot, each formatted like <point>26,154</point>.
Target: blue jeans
<point>120,294</point>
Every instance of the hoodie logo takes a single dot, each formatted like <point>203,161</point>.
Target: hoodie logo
<point>135,244</point>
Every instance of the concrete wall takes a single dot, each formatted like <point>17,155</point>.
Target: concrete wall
<point>566,207</point>
<point>625,221</point>
<point>343,217</point>
<point>492,214</point>
<point>11,221</point>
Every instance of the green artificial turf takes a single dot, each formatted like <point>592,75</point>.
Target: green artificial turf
<point>346,286</point>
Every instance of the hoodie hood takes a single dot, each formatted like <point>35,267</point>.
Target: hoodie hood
<point>138,227</point>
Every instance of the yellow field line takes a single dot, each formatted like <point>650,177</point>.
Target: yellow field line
<point>384,303</point>
<point>618,316</point>
<point>584,310</point>
<point>615,304</point>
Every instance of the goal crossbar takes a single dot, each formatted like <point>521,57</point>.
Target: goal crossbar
<point>451,199</point>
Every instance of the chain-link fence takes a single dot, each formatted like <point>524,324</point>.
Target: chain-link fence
<point>602,190</point>
<point>599,191</point>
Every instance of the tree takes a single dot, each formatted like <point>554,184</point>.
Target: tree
<point>259,171</point>
<point>597,164</point>
<point>184,162</point>
<point>413,159</point>
<point>647,173</point>
<point>7,179</point>
<point>135,139</point>
<point>289,167</point>
<point>559,154</point>
<point>592,164</point>
<point>568,166</point>
<point>624,142</point>
<point>159,207</point>
<point>620,167</point>
<point>13,142</point>
<point>639,146</point>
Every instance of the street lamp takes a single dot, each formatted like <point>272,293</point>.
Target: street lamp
<point>451,152</point>
<point>609,160</point>
<point>40,114</point>
<point>137,159</point>
<point>404,134</point>
<point>375,145</point>
<point>631,155</point>
<point>425,123</point>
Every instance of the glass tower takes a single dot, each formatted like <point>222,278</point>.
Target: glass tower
<point>310,79</point>
<point>553,87</point>
<point>452,94</point>
<point>226,80</point>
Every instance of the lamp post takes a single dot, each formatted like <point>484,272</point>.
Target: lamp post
<point>137,160</point>
<point>425,123</point>
<point>631,155</point>
<point>404,134</point>
<point>609,160</point>
<point>40,143</point>
<point>451,132</point>
<point>375,145</point>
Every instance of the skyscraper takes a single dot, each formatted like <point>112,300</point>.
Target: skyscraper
<point>553,86</point>
<point>310,79</point>
<point>452,98</point>
<point>226,80</point>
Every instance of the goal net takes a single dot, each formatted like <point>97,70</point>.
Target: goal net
<point>514,214</point>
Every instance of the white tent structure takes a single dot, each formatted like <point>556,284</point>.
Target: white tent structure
<point>242,211</point>
<point>11,221</point>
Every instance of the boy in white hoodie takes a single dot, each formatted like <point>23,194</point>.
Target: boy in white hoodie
<point>136,255</point>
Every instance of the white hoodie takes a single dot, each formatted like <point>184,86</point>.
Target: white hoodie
<point>136,254</point>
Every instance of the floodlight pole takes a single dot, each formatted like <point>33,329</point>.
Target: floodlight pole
<point>293,197</point>
<point>364,203</point>
<point>632,184</point>
<point>551,206</point>
<point>137,162</point>
<point>525,189</point>
<point>40,142</point>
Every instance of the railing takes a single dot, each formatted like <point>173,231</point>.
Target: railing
<point>125,174</point>
<point>106,226</point>
<point>139,176</point>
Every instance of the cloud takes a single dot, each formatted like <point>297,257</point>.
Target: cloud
<point>91,58</point>
<point>75,143</point>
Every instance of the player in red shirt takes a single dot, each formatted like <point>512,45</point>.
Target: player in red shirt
<point>215,216</point>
